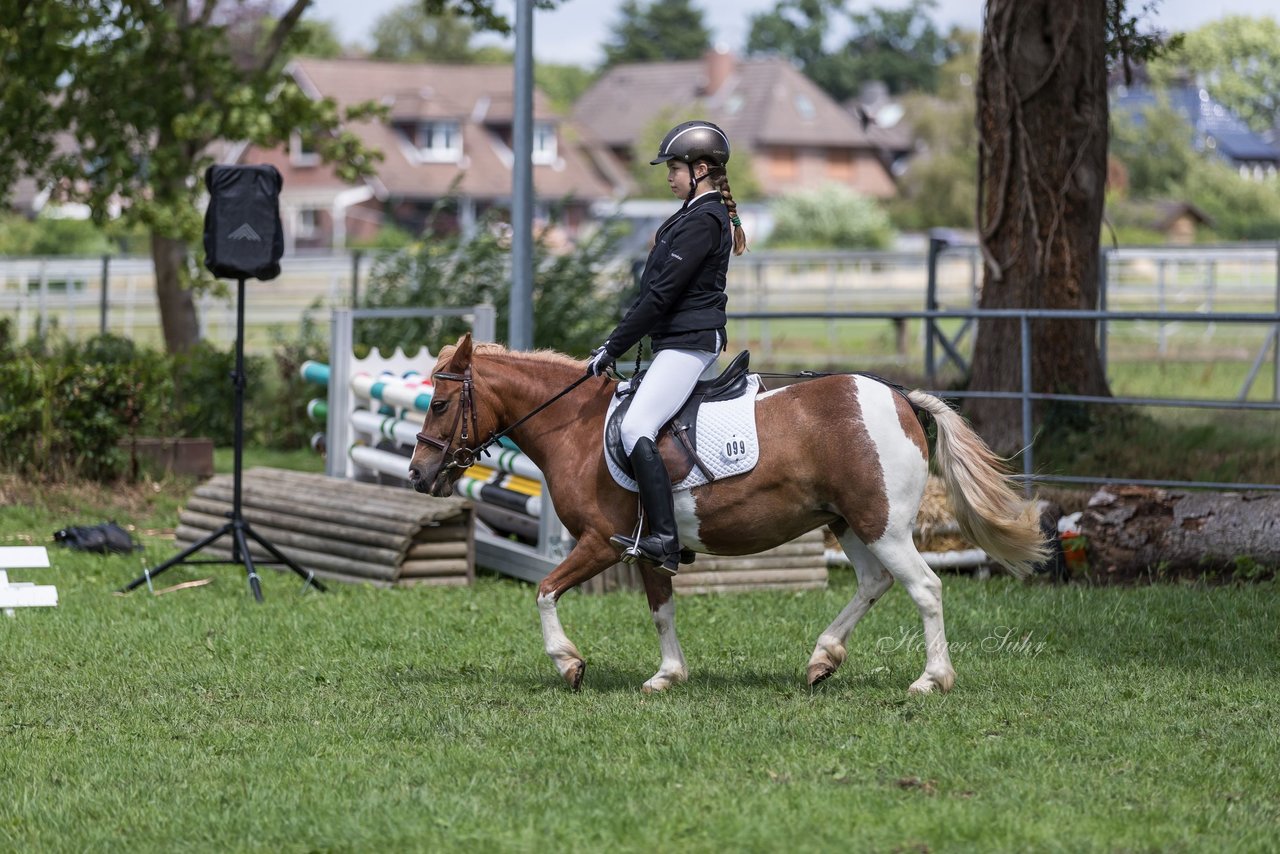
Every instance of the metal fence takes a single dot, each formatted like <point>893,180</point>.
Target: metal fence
<point>1026,397</point>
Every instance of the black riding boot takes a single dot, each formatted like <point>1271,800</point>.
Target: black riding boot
<point>661,545</point>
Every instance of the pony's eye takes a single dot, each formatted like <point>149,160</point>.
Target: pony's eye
<point>438,406</point>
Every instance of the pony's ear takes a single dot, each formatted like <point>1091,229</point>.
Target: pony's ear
<point>462,355</point>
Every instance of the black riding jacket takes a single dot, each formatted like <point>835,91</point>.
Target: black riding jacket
<point>682,298</point>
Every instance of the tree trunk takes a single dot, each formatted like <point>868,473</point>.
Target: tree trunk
<point>177,306</point>
<point>1042,124</point>
<point>1133,531</point>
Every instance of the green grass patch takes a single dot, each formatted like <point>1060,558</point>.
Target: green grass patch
<point>429,719</point>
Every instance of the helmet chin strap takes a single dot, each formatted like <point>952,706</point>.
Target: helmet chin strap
<point>694,180</point>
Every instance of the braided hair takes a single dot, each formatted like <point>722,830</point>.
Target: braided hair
<point>720,180</point>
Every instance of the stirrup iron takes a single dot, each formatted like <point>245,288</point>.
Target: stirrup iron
<point>632,553</point>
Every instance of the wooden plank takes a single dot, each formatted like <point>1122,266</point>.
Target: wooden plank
<point>307,559</point>
<point>722,563</point>
<point>440,534</point>
<point>333,504</point>
<point>760,576</point>
<point>283,537</point>
<point>702,589</point>
<point>317,527</point>
<point>443,581</point>
<point>401,500</point>
<point>427,551</point>
<point>422,568</point>
<point>335,515</point>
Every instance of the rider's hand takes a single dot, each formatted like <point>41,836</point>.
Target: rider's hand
<point>599,361</point>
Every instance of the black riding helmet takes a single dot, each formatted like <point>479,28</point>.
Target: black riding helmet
<point>695,140</point>
<point>690,142</point>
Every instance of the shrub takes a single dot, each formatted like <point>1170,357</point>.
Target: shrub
<point>832,217</point>
<point>65,406</point>
<point>280,402</point>
<point>574,294</point>
<point>203,394</point>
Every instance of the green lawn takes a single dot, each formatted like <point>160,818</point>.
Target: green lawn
<point>1108,719</point>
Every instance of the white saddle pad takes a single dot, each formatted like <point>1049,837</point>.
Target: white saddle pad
<point>726,436</point>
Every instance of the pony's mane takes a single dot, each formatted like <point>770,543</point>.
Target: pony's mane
<point>550,357</point>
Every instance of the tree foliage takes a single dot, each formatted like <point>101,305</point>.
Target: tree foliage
<point>1156,150</point>
<point>562,84</point>
<point>1162,164</point>
<point>938,187</point>
<point>575,295</point>
<point>145,89</point>
<point>901,47</point>
<point>830,217</point>
<point>483,14</point>
<point>410,34</point>
<point>1238,58</point>
<point>662,30</point>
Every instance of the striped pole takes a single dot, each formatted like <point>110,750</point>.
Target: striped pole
<point>406,433</point>
<point>392,391</point>
<point>315,372</point>
<point>479,490</point>
<point>395,465</point>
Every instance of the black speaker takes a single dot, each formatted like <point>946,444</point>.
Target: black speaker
<point>242,235</point>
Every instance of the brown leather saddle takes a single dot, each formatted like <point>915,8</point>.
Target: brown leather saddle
<point>677,441</point>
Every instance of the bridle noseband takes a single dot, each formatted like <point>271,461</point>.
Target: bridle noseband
<point>466,416</point>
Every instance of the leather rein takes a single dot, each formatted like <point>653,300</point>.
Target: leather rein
<point>464,456</point>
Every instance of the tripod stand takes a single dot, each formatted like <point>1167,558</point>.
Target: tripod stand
<point>237,527</point>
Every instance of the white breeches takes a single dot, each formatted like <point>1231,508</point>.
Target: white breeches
<point>665,388</point>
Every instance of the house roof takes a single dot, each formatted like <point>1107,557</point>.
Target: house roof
<point>1156,214</point>
<point>481,99</point>
<point>1231,137</point>
<point>761,101</point>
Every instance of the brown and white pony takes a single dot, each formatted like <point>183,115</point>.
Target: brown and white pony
<point>844,451</point>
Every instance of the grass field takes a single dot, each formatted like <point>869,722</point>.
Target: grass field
<point>1084,719</point>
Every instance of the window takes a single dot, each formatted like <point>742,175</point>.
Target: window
<point>805,107</point>
<point>544,143</point>
<point>840,164</point>
<point>782,163</point>
<point>308,223</point>
<point>300,151</point>
<point>439,141</point>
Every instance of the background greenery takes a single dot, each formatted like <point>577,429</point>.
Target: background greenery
<point>578,296</point>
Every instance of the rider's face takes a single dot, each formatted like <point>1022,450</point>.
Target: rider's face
<point>678,176</point>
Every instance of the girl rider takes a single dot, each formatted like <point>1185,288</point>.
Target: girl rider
<point>681,308</point>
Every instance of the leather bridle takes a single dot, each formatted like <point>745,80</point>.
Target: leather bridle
<point>468,420</point>
<point>465,417</point>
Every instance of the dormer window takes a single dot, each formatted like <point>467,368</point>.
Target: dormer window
<point>300,151</point>
<point>544,143</point>
<point>439,141</point>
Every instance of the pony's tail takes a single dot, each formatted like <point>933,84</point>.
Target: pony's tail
<point>988,509</point>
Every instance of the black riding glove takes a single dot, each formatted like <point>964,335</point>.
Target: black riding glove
<point>599,361</point>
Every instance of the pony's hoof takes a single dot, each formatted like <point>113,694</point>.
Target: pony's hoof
<point>573,675</point>
<point>661,682</point>
<point>928,683</point>
<point>827,657</point>
<point>819,673</point>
